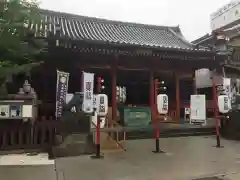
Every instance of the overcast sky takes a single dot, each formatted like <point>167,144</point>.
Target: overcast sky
<point>193,16</point>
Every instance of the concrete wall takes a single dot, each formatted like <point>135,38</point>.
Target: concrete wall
<point>226,15</point>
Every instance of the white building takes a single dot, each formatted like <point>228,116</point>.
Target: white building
<point>227,16</point>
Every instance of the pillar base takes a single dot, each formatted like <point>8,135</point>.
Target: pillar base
<point>158,152</point>
<point>218,146</point>
<point>98,154</point>
<point>157,147</point>
<point>97,157</point>
<point>218,142</point>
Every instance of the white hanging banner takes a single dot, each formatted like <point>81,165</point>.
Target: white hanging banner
<point>88,83</point>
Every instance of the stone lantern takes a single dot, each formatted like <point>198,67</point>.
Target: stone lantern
<point>26,87</point>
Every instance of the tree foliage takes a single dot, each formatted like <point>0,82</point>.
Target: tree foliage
<point>19,48</point>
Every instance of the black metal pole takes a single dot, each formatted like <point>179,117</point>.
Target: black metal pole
<point>218,141</point>
<point>157,145</point>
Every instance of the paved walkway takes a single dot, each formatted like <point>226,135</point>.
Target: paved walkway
<point>27,167</point>
<point>185,159</point>
<point>25,159</point>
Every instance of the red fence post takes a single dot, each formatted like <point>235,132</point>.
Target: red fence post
<point>216,112</point>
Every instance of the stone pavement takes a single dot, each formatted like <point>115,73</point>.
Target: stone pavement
<point>185,159</point>
<point>27,167</point>
<point>33,172</point>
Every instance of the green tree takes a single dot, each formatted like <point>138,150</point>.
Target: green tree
<point>19,48</point>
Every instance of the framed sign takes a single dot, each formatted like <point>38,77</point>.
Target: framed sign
<point>15,110</point>
<point>4,111</point>
<point>198,109</point>
<point>27,111</point>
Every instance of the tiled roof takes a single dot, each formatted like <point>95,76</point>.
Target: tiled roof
<point>231,31</point>
<point>76,27</point>
<point>202,39</point>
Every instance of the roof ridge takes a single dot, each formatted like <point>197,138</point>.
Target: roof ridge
<point>106,21</point>
<point>181,38</point>
<point>77,27</point>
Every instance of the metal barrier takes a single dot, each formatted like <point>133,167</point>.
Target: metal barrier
<point>115,137</point>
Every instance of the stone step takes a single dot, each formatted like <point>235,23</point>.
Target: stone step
<point>74,145</point>
<point>74,138</point>
<point>150,133</point>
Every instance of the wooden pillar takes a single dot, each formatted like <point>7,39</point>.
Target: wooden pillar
<point>194,86</point>
<point>177,96</point>
<point>194,82</point>
<point>152,94</point>
<point>114,93</point>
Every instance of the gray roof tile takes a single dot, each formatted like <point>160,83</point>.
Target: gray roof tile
<point>76,27</point>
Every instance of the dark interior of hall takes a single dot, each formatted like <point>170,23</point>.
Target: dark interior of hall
<point>136,82</point>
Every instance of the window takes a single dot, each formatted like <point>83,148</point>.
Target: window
<point>236,56</point>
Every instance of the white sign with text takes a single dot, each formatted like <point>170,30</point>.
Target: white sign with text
<point>198,109</point>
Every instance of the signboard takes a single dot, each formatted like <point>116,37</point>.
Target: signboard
<point>198,109</point>
<point>227,14</point>
<point>15,110</point>
<point>88,83</point>
<point>4,111</point>
<point>135,116</point>
<point>27,111</point>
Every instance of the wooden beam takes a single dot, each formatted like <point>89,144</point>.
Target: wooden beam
<point>132,69</point>
<point>194,83</point>
<point>99,67</point>
<point>184,75</point>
